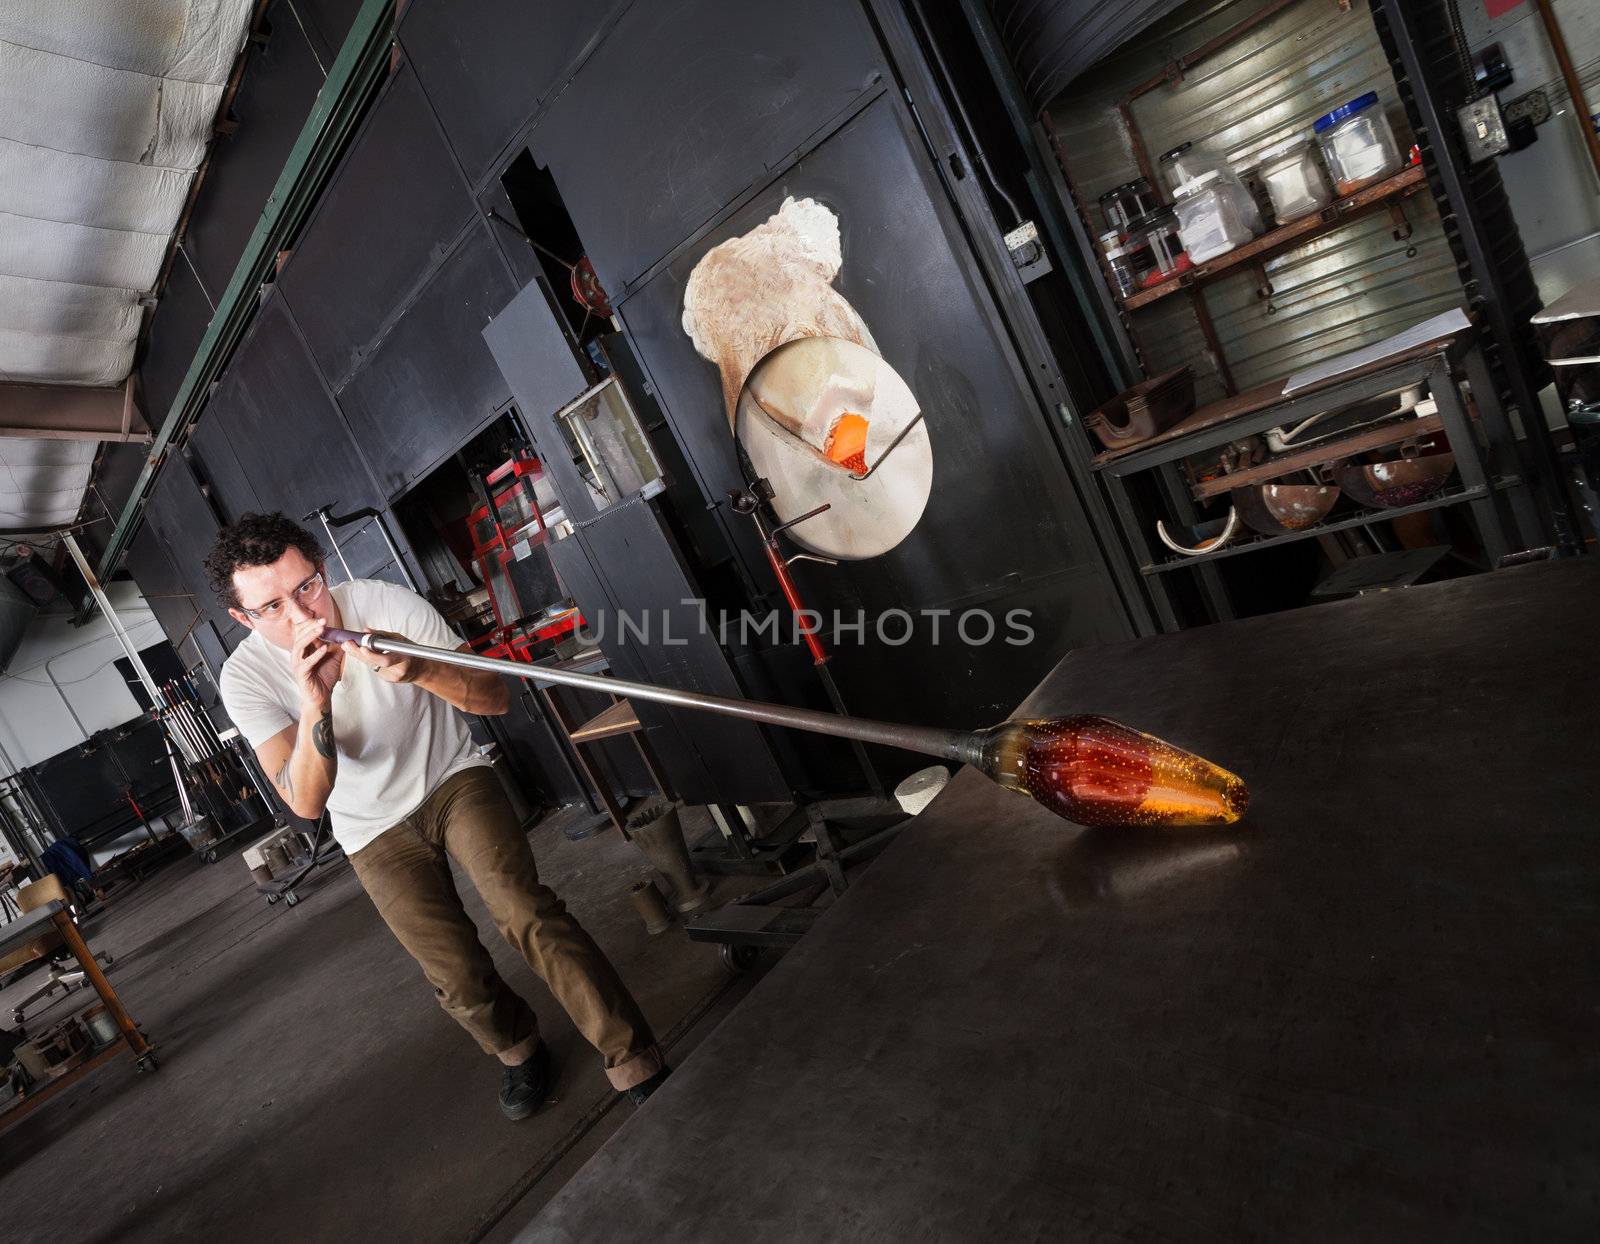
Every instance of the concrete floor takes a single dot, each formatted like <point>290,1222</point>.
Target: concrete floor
<point>309,1085</point>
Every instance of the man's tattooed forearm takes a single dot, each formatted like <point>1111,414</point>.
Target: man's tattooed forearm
<point>322,736</point>
<point>285,779</point>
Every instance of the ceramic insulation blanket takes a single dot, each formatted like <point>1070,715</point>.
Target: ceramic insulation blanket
<point>106,109</point>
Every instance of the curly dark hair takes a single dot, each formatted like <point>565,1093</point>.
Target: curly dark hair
<point>256,540</point>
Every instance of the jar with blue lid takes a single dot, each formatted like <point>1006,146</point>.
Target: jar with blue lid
<point>1358,144</point>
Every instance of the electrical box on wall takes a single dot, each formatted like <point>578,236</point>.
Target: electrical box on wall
<point>1027,251</point>
<point>1484,129</point>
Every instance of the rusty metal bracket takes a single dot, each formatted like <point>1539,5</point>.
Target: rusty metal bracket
<point>1264,286</point>
<point>1402,227</point>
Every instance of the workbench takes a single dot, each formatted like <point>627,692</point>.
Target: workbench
<point>1364,1012</point>
<point>54,916</point>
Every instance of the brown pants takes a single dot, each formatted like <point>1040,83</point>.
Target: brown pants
<point>406,871</point>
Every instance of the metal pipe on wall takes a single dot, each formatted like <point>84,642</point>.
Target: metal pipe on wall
<point>62,694</point>
<point>123,638</point>
<point>321,515</point>
<point>1569,72</point>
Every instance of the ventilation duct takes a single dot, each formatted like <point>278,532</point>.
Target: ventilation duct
<point>16,611</point>
<point>1052,41</point>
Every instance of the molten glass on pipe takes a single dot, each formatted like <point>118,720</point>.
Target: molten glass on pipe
<point>1085,768</point>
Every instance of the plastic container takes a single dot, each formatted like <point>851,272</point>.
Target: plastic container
<point>1294,179</point>
<point>1358,144</point>
<point>1129,264</point>
<point>1159,229</point>
<point>1127,201</point>
<point>1185,162</point>
<point>1213,216</point>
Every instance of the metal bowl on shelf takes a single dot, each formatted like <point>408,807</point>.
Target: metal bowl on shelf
<point>1281,509</point>
<point>1398,479</point>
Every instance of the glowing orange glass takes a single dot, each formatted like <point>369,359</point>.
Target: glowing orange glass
<point>847,443</point>
<point>1096,771</point>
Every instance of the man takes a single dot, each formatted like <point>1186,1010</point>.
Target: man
<point>376,741</point>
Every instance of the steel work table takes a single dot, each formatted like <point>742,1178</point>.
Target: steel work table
<point>1367,1011</point>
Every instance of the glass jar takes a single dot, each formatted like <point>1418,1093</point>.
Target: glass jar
<point>1294,179</point>
<point>1358,144</point>
<point>1213,216</point>
<point>1159,229</point>
<point>1111,210</point>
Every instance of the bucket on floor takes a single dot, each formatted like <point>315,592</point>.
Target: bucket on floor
<point>101,1026</point>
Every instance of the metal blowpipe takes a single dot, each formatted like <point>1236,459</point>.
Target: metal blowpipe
<point>1085,768</point>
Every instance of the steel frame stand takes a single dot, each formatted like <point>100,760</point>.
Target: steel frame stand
<point>755,921</point>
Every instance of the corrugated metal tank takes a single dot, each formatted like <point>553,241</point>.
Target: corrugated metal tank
<point>1347,288</point>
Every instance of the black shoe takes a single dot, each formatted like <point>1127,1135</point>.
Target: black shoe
<point>639,1093</point>
<point>523,1088</point>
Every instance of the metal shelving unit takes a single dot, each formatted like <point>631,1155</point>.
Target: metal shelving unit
<point>1491,478</point>
<point>1454,497</point>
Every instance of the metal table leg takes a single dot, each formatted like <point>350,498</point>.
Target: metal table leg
<point>1469,464</point>
<point>1504,451</point>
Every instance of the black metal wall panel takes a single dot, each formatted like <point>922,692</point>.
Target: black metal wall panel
<point>116,472</point>
<point>280,83</point>
<point>328,21</point>
<point>432,382</point>
<point>638,561</point>
<point>184,520</point>
<point>214,643</point>
<point>487,66</point>
<point>686,103</point>
<point>216,457</point>
<point>536,360</point>
<point>394,208</point>
<point>88,788</point>
<point>285,431</point>
<point>170,596</point>
<point>180,321</point>
<point>364,551</point>
<point>677,749</point>
<point>1002,528</point>
<point>536,750</point>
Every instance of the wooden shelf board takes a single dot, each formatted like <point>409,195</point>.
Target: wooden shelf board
<point>1316,455</point>
<point>1296,233</point>
<point>618,719</point>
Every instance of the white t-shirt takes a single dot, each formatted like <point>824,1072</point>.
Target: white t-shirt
<point>395,741</point>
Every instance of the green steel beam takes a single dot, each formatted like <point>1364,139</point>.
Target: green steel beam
<point>361,65</point>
